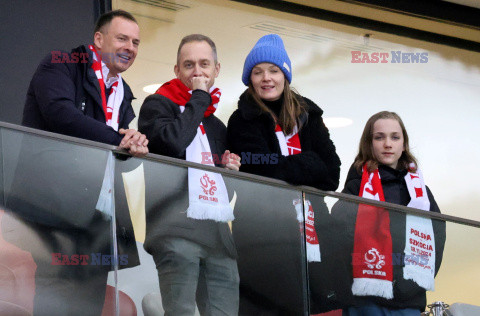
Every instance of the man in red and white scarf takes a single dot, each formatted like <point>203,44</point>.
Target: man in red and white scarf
<point>81,94</point>
<point>189,238</point>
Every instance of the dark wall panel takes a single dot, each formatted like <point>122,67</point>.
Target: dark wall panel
<point>29,30</point>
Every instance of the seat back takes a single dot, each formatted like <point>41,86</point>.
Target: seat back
<point>17,276</point>
<point>127,305</point>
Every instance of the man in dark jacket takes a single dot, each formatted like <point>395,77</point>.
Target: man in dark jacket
<point>66,94</point>
<point>190,242</point>
<point>56,186</point>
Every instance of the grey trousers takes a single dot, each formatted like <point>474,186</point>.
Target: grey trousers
<point>189,272</point>
<point>376,310</point>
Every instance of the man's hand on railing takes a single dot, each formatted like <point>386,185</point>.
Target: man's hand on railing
<point>231,161</point>
<point>134,141</point>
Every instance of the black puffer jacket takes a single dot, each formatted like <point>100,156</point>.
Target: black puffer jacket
<point>251,132</point>
<point>406,293</point>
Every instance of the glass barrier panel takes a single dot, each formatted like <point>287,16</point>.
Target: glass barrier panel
<point>326,267</point>
<point>269,235</point>
<point>458,280</point>
<point>375,255</point>
<point>267,243</point>
<point>2,184</point>
<point>137,276</point>
<point>55,250</point>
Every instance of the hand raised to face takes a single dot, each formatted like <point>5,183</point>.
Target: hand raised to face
<point>200,82</point>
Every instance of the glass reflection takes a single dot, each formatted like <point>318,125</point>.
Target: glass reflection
<point>332,281</point>
<point>44,241</point>
<point>268,233</point>
<point>60,241</point>
<point>268,237</point>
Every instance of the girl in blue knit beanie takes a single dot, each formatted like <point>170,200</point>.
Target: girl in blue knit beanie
<point>279,134</point>
<point>306,155</point>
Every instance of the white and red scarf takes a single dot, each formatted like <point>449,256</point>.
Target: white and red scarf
<point>372,251</point>
<point>419,238</point>
<point>111,108</point>
<point>290,145</point>
<point>313,247</point>
<point>208,197</point>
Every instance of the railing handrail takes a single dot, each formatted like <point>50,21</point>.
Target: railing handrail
<point>245,176</point>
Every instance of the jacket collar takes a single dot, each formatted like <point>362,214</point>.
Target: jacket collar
<point>386,174</point>
<point>389,174</point>
<point>92,86</point>
<point>249,110</point>
<point>247,107</point>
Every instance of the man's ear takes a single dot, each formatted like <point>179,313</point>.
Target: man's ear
<point>217,69</point>
<point>98,40</point>
<point>176,70</point>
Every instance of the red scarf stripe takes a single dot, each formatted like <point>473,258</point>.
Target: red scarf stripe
<point>97,66</point>
<point>294,147</point>
<point>180,94</point>
<point>372,250</point>
<point>293,142</point>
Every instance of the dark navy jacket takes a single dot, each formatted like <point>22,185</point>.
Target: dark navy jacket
<point>64,97</point>
<point>56,184</point>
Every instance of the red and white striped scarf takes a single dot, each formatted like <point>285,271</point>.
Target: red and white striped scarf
<point>208,197</point>
<point>180,94</point>
<point>372,251</point>
<point>290,145</point>
<point>111,108</point>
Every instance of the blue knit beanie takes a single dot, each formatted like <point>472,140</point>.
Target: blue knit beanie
<point>269,49</point>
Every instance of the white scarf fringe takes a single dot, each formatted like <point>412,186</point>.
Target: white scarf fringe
<point>218,213</point>
<point>372,287</point>
<point>313,253</point>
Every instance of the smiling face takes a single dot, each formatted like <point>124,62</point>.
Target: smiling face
<point>388,142</point>
<point>196,59</point>
<point>268,81</point>
<point>118,43</point>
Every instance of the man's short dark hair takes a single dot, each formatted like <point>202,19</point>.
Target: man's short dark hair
<point>106,18</point>
<point>197,38</point>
